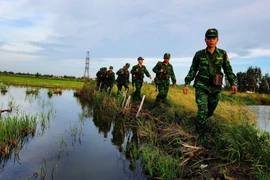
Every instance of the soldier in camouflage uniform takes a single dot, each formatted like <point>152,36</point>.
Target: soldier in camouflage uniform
<point>110,79</point>
<point>103,85</point>
<point>164,71</point>
<point>138,72</point>
<point>98,75</point>
<point>206,69</point>
<point>123,78</point>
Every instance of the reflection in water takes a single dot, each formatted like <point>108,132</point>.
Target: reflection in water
<point>118,134</point>
<point>132,150</point>
<point>124,138</point>
<point>263,113</point>
<point>102,121</point>
<point>70,147</point>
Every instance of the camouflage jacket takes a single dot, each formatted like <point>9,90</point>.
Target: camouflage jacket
<point>204,67</point>
<point>166,74</point>
<point>123,75</point>
<point>110,78</point>
<point>99,75</point>
<point>138,72</point>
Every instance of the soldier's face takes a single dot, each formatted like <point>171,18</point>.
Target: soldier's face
<point>166,60</point>
<point>140,61</point>
<point>211,41</point>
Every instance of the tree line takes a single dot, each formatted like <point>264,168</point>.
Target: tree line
<point>39,75</point>
<point>252,80</point>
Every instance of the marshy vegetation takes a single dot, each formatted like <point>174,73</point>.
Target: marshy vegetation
<point>18,127</point>
<point>166,142</point>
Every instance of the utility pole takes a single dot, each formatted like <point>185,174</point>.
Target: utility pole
<point>86,72</point>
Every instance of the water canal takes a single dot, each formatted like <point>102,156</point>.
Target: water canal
<point>76,142</point>
<point>263,114</point>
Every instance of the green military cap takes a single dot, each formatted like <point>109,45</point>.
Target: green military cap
<point>127,65</point>
<point>167,56</point>
<point>140,58</point>
<point>105,68</point>
<point>211,33</point>
<point>111,67</point>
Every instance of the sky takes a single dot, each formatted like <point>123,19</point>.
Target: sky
<point>54,36</point>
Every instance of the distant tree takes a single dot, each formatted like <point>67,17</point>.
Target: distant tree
<point>267,77</point>
<point>37,74</point>
<point>253,78</point>
<point>241,81</point>
<point>264,86</point>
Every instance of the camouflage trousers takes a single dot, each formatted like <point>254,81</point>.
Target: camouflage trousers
<point>207,103</point>
<point>138,86</point>
<point>108,87</point>
<point>163,88</point>
<point>119,86</point>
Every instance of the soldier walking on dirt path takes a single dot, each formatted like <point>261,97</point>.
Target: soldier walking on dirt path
<point>138,72</point>
<point>206,70</point>
<point>164,72</point>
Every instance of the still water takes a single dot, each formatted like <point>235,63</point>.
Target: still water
<point>75,144</point>
<point>263,114</point>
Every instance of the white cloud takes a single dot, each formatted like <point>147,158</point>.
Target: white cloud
<point>60,32</point>
<point>20,47</point>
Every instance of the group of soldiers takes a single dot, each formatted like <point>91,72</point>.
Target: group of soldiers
<point>163,70</point>
<point>205,70</point>
<point>105,79</point>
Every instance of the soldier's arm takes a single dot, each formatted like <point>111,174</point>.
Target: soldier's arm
<point>173,76</point>
<point>156,69</point>
<point>133,70</point>
<point>146,72</point>
<point>119,71</point>
<point>193,70</point>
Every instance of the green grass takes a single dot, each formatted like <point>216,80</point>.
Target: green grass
<point>41,82</point>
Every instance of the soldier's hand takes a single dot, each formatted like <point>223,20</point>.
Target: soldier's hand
<point>150,77</point>
<point>234,89</point>
<point>161,70</point>
<point>185,90</point>
<point>174,86</point>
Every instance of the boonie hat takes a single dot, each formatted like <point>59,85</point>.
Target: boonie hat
<point>140,58</point>
<point>127,64</point>
<point>211,33</point>
<point>167,56</point>
<point>111,67</point>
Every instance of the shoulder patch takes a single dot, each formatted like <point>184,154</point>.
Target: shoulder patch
<point>219,58</point>
<point>227,58</point>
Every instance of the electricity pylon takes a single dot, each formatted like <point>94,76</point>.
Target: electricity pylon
<point>86,72</point>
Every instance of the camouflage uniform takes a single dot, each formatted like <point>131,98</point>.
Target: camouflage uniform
<point>163,78</point>
<point>98,75</point>
<point>110,80</point>
<point>123,78</point>
<point>138,72</point>
<point>204,68</point>
<point>103,79</point>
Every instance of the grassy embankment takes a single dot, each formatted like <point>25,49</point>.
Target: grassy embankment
<point>168,144</point>
<point>41,82</point>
